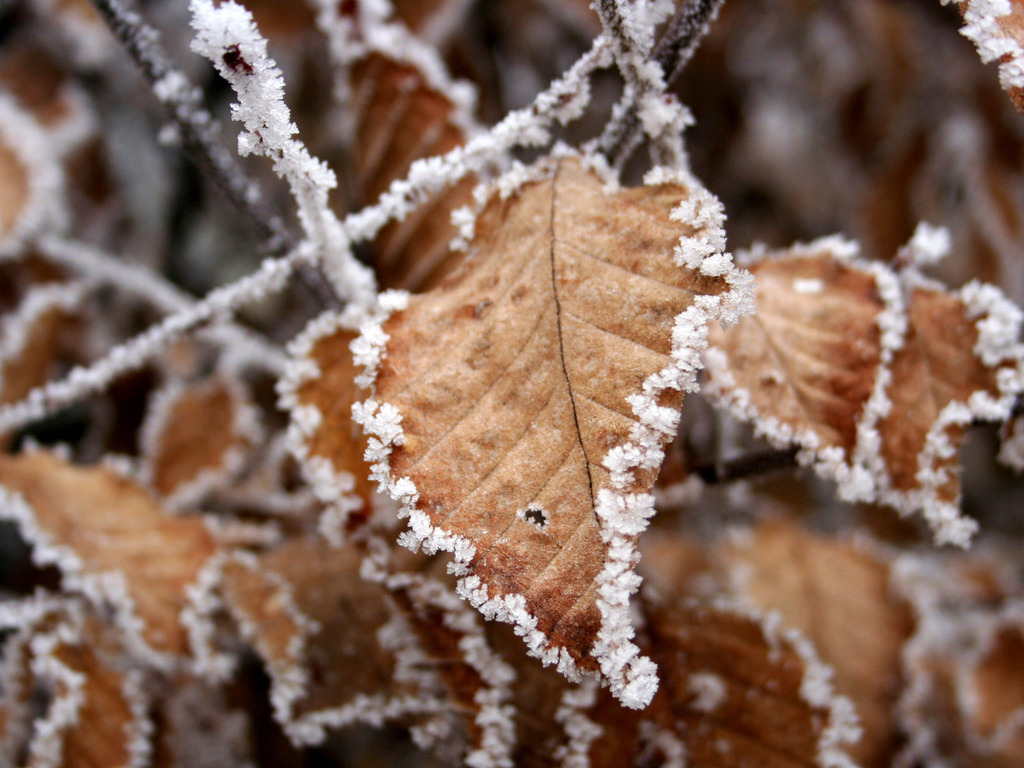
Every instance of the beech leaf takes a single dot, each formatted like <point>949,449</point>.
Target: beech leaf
<point>406,109</point>
<point>111,541</point>
<point>521,408</point>
<point>320,630</point>
<point>838,595</point>
<point>874,374</point>
<point>196,434</point>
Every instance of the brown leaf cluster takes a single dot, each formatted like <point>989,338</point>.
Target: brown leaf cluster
<point>198,569</point>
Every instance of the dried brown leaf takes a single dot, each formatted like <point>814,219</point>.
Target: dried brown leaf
<point>964,699</point>
<point>111,540</point>
<point>320,629</point>
<point>195,434</point>
<point>402,115</point>
<point>14,191</point>
<point>837,595</point>
<point>535,389</point>
<point>875,374</point>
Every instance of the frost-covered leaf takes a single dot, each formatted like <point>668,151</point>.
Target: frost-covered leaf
<point>319,392</point>
<point>963,703</point>
<point>330,640</point>
<point>405,108</point>
<point>31,178</point>
<point>996,27</point>
<point>195,435</point>
<point>76,683</point>
<point>838,596</point>
<point>874,374</point>
<point>520,409</point>
<point>742,691</point>
<point>111,541</point>
<point>29,338</point>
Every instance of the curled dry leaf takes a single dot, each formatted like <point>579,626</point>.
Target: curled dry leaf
<point>406,109</point>
<point>320,394</point>
<point>838,595</point>
<point>520,409</point>
<point>65,667</point>
<point>742,692</point>
<point>323,633</point>
<point>110,540</point>
<point>875,374</point>
<point>194,435</point>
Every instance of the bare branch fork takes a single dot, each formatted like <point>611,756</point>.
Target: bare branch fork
<point>673,52</point>
<point>199,136</point>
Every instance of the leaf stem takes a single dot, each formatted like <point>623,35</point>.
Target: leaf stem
<point>748,465</point>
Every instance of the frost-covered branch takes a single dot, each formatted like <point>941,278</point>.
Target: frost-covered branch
<point>673,51</point>
<point>227,36</point>
<point>92,263</point>
<point>196,126</point>
<point>136,352</point>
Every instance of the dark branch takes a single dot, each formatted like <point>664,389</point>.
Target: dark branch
<point>200,138</point>
<point>672,52</point>
<point>750,465</point>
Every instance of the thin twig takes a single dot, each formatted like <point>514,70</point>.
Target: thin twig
<point>199,137</point>
<point>673,51</point>
<point>749,465</point>
<point>197,127</point>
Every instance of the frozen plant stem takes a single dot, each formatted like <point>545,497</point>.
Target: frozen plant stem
<point>198,133</point>
<point>672,53</point>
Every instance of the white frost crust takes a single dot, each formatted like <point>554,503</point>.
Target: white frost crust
<point>103,588</point>
<point>245,427</point>
<point>335,487</point>
<point>16,328</point>
<point>655,739</point>
<point>842,726</point>
<point>982,27</point>
<point>863,476</point>
<point>708,691</point>
<point>22,617</point>
<point>622,515</point>
<point>45,208</point>
<point>580,731</point>
<point>139,729</point>
<point>47,745</point>
<point>496,715</point>
<point>289,678</point>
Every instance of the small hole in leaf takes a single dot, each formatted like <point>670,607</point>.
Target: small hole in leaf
<point>536,516</point>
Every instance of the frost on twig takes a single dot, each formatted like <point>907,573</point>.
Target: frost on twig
<point>227,36</point>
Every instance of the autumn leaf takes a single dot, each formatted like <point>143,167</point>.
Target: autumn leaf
<point>521,407</point>
<point>874,374</point>
<point>111,541</point>
<point>839,596</point>
<point>319,629</point>
<point>405,108</point>
<point>195,435</point>
<point>963,702</point>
